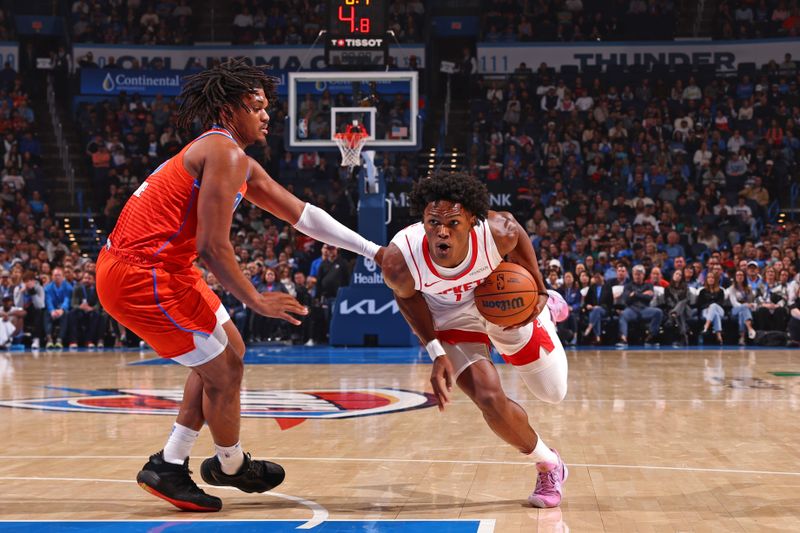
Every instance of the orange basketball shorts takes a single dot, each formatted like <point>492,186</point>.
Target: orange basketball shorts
<point>177,314</point>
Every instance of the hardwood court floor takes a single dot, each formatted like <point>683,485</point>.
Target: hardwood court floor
<point>655,441</point>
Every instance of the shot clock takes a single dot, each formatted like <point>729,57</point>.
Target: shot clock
<point>356,33</point>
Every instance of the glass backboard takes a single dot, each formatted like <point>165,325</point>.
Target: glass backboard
<point>322,104</point>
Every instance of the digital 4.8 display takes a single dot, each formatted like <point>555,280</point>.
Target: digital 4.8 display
<point>357,18</point>
<point>357,33</point>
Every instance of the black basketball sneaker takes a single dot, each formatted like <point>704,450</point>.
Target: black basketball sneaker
<point>174,484</point>
<point>253,476</point>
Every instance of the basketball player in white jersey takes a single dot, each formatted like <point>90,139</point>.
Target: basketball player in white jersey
<point>433,268</point>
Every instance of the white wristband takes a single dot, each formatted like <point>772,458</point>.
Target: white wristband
<point>435,349</point>
<point>319,225</point>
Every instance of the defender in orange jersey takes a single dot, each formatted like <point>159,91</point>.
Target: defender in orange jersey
<point>146,278</point>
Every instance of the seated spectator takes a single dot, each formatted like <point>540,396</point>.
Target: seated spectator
<point>657,279</point>
<point>11,319</point>
<point>743,303</point>
<point>637,296</point>
<point>794,322</point>
<point>6,287</point>
<point>29,296</point>
<point>553,278</point>
<point>572,296</point>
<point>267,328</point>
<point>84,315</point>
<point>598,304</point>
<point>238,312</point>
<point>58,296</point>
<point>709,304</point>
<point>772,312</point>
<point>676,306</point>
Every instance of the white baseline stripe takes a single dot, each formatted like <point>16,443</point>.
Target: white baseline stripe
<point>486,526</point>
<point>320,514</point>
<point>435,461</point>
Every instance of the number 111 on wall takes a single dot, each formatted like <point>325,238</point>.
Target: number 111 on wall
<point>347,13</point>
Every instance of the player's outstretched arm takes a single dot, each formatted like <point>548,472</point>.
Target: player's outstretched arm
<point>270,196</point>
<point>416,312</point>
<point>222,170</point>
<point>513,243</point>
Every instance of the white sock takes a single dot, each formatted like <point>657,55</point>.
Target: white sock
<point>179,445</point>
<point>230,457</point>
<point>543,454</point>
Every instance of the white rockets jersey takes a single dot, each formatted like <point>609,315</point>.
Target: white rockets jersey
<point>449,292</point>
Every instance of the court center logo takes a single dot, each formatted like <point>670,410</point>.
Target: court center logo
<point>288,407</point>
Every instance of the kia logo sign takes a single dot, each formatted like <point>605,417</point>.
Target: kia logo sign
<point>367,307</point>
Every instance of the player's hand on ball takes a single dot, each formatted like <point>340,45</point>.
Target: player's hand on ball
<point>442,380</point>
<point>279,305</point>
<point>541,303</point>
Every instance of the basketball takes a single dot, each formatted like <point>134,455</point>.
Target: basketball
<point>507,296</point>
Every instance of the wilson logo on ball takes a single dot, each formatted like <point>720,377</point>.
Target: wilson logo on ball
<point>503,305</point>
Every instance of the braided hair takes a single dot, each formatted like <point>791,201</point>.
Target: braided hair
<point>209,95</point>
<point>456,187</point>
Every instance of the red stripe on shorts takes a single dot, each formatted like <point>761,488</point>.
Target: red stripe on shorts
<point>529,353</point>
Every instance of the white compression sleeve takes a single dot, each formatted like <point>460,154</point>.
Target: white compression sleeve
<point>319,225</point>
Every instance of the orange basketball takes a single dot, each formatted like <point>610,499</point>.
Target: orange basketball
<point>507,296</point>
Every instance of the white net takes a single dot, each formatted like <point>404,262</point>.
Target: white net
<point>350,144</point>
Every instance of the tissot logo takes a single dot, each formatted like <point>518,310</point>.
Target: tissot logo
<point>288,407</point>
<point>357,43</point>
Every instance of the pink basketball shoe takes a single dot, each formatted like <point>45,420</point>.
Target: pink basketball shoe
<point>548,484</point>
<point>558,307</point>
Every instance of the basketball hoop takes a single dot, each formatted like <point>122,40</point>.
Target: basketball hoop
<point>350,144</point>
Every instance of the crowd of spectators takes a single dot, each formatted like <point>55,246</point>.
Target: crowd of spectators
<point>748,19</point>
<point>641,173</point>
<point>20,150</point>
<point>284,22</point>
<point>46,286</point>
<point>650,172</point>
<point>148,22</point>
<point>577,20</point>
<point>128,137</point>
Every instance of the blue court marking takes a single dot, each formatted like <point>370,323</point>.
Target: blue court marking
<point>273,526</point>
<point>329,355</point>
<point>326,355</point>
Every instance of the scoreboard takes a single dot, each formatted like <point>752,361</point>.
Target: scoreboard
<point>357,33</point>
